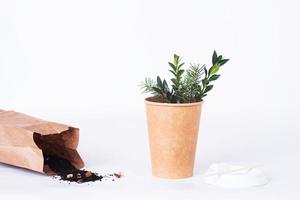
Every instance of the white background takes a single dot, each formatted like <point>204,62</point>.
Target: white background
<point>80,63</point>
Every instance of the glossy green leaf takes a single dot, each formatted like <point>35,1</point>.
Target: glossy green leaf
<point>180,72</point>
<point>174,80</point>
<point>219,58</point>
<point>159,82</point>
<point>205,70</point>
<point>214,69</point>
<point>172,65</point>
<point>214,58</point>
<point>179,66</point>
<point>156,89</point>
<point>172,72</point>
<point>208,88</point>
<point>214,77</point>
<point>222,62</point>
<point>176,59</point>
<point>165,84</point>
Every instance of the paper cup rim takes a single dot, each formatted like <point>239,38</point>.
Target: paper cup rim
<point>149,102</point>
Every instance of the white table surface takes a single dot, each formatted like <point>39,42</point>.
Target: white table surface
<point>118,142</point>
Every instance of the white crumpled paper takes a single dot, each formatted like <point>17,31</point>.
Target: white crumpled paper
<point>235,176</point>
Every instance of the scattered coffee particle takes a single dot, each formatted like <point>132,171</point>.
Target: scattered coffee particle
<point>88,174</point>
<point>67,172</point>
<point>118,175</point>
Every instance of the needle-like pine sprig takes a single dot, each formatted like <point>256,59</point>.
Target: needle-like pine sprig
<point>147,86</point>
<point>191,86</point>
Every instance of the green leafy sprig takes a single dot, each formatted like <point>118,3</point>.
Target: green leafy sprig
<point>211,75</point>
<point>188,87</point>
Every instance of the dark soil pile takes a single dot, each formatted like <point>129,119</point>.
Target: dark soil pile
<point>67,172</point>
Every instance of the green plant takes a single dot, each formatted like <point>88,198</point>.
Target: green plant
<point>188,86</point>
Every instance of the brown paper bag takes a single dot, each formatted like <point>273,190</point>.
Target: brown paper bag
<point>25,139</point>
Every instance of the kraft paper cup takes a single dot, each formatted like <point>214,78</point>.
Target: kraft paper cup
<point>173,132</point>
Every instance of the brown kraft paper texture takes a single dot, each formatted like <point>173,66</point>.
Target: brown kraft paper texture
<point>24,140</point>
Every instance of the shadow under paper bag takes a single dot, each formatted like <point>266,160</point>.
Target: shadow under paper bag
<point>25,139</point>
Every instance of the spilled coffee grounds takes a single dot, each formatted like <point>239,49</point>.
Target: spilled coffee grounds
<point>67,172</point>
